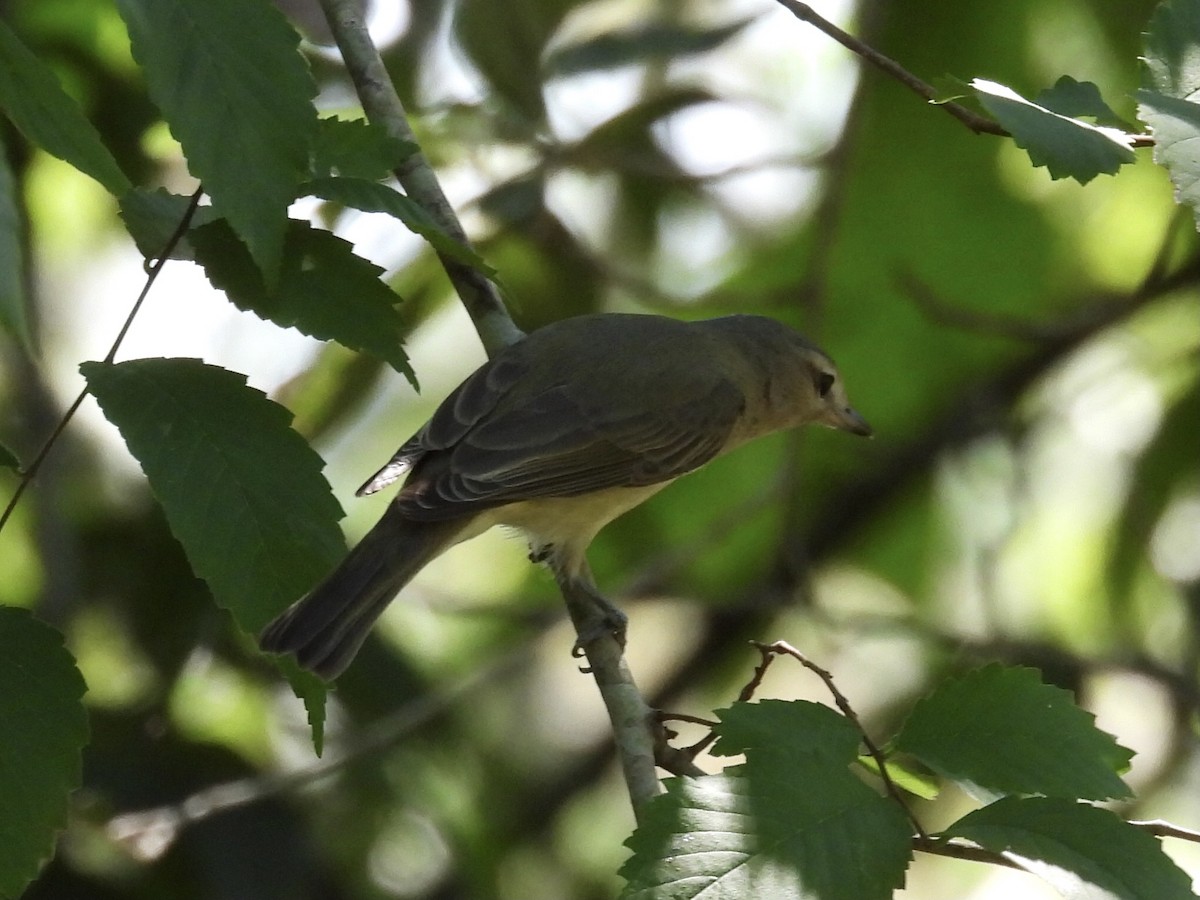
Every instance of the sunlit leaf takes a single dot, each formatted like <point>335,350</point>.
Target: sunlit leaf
<point>1068,148</point>
<point>1167,105</point>
<point>792,822</point>
<point>1077,848</point>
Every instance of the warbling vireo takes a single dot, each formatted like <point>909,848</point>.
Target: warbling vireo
<point>557,435</point>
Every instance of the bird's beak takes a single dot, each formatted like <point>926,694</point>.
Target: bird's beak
<point>847,419</point>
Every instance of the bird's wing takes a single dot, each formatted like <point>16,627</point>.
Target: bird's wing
<point>561,443</point>
<point>458,413</point>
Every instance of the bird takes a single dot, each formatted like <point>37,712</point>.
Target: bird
<point>556,435</point>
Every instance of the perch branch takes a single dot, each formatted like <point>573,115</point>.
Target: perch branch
<point>632,720</point>
<point>382,105</point>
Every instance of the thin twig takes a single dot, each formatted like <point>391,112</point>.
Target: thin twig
<point>973,120</point>
<point>1159,828</point>
<point>956,848</point>
<point>153,267</point>
<point>783,647</point>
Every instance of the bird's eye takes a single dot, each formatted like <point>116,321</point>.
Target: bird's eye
<point>824,382</point>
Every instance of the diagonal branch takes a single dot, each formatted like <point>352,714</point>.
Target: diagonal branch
<point>382,105</point>
<point>631,721</point>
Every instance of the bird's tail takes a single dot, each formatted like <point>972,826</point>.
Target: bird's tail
<point>325,627</point>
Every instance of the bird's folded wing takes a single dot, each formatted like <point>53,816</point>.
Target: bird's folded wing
<point>556,445</point>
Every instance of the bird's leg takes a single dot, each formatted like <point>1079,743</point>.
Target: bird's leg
<point>594,615</point>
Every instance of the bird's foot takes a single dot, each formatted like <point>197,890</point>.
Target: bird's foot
<point>609,621</point>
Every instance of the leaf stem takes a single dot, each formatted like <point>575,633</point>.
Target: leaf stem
<point>153,267</point>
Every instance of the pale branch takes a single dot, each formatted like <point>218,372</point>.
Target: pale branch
<point>631,718</point>
<point>979,124</point>
<point>153,268</point>
<point>383,106</point>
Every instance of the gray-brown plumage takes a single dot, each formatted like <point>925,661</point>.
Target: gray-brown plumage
<point>557,435</point>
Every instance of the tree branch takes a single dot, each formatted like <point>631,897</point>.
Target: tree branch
<point>382,105</point>
<point>631,718</point>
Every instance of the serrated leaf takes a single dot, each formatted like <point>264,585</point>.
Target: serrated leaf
<point>151,217</point>
<point>13,315</point>
<point>324,289</point>
<point>1172,49</point>
<point>358,149</point>
<point>1076,99</point>
<point>1175,125</point>
<point>645,43</point>
<point>1172,57</point>
<point>370,196</point>
<point>1066,147</point>
<point>793,822</point>
<point>1077,848</point>
<point>44,729</point>
<point>1004,730</point>
<point>237,95</point>
<point>33,99</point>
<point>242,492</point>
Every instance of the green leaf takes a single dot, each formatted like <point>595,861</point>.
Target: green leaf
<point>1175,125</point>
<point>1066,147</point>
<point>33,99</point>
<point>1077,99</point>
<point>370,196</point>
<point>1172,58</point>
<point>1004,730</point>
<point>229,78</point>
<point>1172,49</point>
<point>793,822</point>
<point>324,289</point>
<point>645,43</point>
<point>358,149</point>
<point>1072,845</point>
<point>13,315</point>
<point>242,492</point>
<point>151,217</point>
<point>44,729</point>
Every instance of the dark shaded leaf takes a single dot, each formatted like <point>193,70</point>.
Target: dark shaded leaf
<point>324,289</point>
<point>370,196</point>
<point>243,493</point>
<point>44,729</point>
<point>230,81</point>
<point>358,149</point>
<point>33,99</point>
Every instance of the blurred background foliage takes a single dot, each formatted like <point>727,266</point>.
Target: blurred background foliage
<point>1027,351</point>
